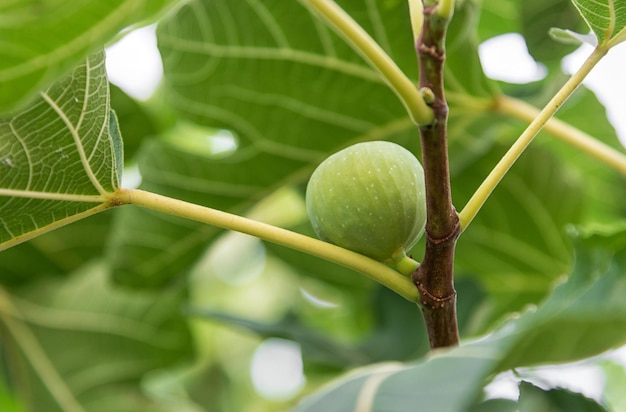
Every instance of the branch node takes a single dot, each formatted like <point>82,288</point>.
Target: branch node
<point>431,51</point>
<point>453,234</point>
<point>426,298</point>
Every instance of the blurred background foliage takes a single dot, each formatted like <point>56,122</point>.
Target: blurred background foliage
<point>131,310</point>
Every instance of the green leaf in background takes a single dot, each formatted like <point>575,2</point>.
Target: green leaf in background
<point>138,122</point>
<point>517,245</point>
<point>537,18</point>
<point>43,40</point>
<point>149,248</point>
<point>585,315</point>
<point>271,72</point>
<point>60,157</point>
<point>8,402</point>
<point>498,17</point>
<point>56,253</point>
<point>316,346</point>
<point>606,18</point>
<point>553,182</point>
<point>534,399</point>
<point>584,111</point>
<point>463,70</point>
<point>80,345</point>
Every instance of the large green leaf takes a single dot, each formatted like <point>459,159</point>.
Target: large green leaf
<point>42,40</point>
<point>60,157</point>
<point>585,315</point>
<point>79,345</point>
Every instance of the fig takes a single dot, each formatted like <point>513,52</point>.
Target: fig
<point>370,198</point>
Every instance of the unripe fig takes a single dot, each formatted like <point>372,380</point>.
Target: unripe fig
<point>369,198</point>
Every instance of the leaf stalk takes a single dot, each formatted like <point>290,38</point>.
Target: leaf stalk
<point>364,44</point>
<point>481,195</point>
<point>360,263</point>
<point>566,132</point>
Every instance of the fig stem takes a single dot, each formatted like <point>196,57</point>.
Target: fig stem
<point>481,195</point>
<point>364,44</point>
<point>564,131</point>
<point>403,263</point>
<point>371,268</point>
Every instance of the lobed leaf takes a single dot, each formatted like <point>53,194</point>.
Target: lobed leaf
<point>60,157</point>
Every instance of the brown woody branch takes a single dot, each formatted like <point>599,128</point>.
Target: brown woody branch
<point>434,277</point>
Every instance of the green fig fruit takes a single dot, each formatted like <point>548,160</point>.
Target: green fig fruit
<point>369,198</point>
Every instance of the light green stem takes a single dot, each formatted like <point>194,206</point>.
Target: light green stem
<point>363,43</point>
<point>566,132</point>
<point>486,188</point>
<point>369,267</point>
<point>404,264</point>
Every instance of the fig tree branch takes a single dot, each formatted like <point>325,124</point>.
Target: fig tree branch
<point>434,277</point>
<point>481,195</point>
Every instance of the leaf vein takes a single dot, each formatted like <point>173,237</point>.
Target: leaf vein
<point>75,135</point>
